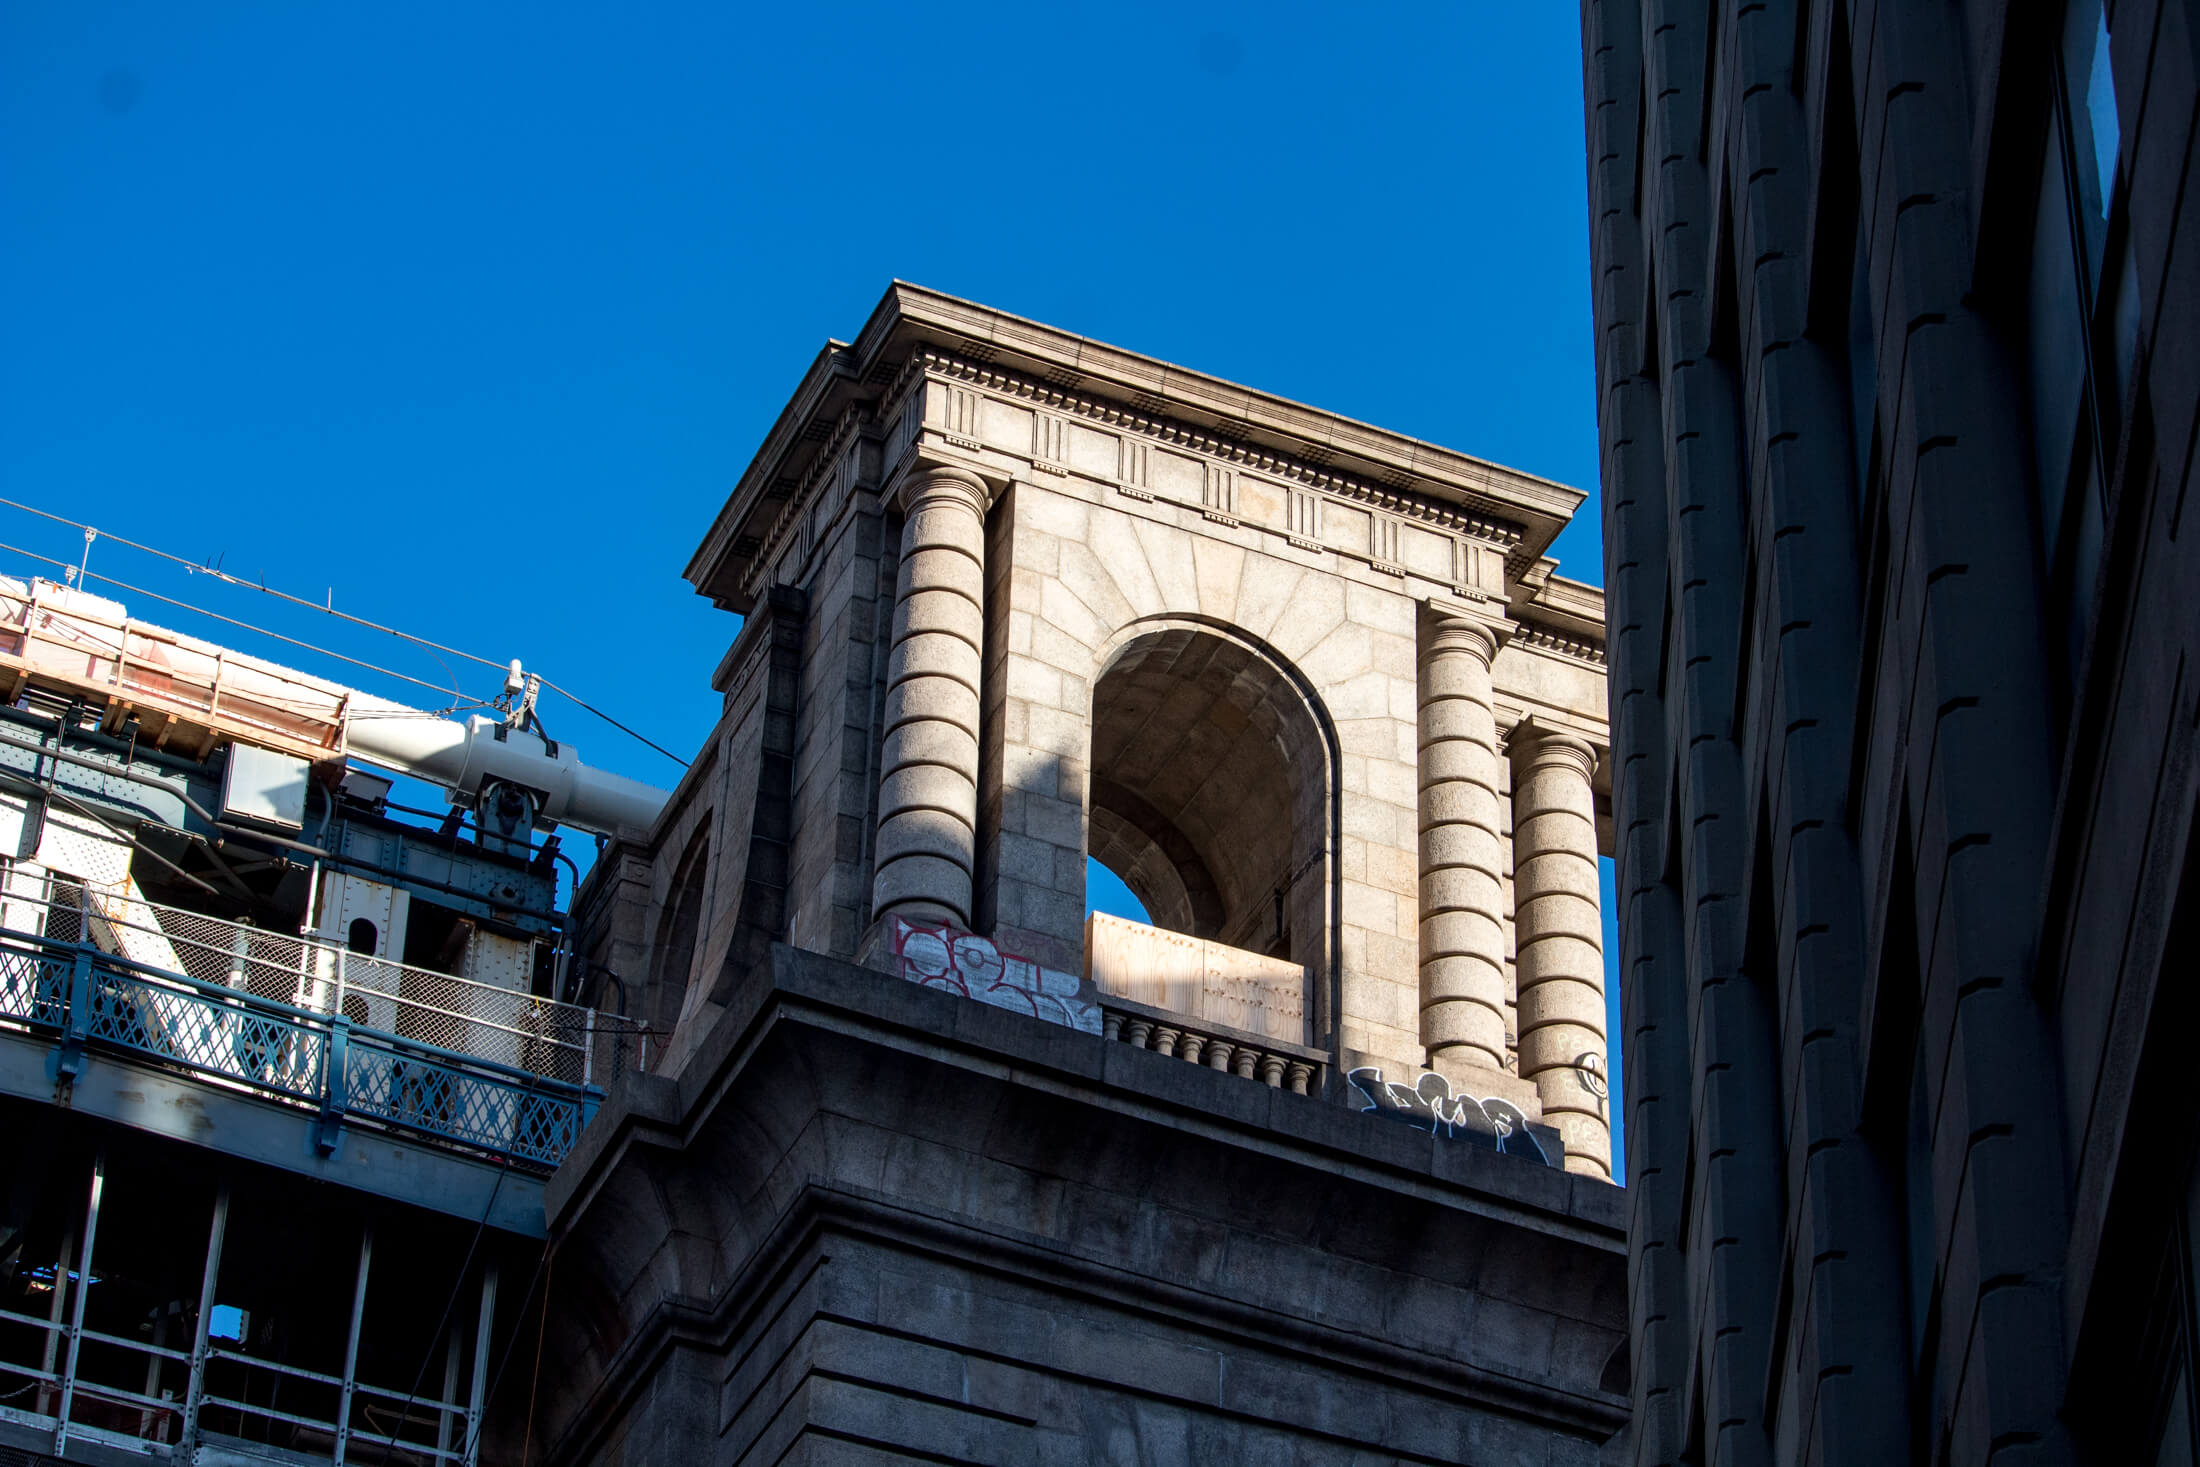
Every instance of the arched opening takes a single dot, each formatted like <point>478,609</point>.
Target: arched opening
<point>1209,792</point>
<point>683,920</point>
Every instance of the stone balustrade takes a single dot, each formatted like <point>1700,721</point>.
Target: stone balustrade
<point>1276,1063</point>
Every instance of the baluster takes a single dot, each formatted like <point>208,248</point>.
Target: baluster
<point>1140,1029</point>
<point>1247,1057</point>
<point>1111,1025</point>
<point>1164,1039</point>
<point>1218,1055</point>
<point>1189,1046</point>
<point>1271,1071</point>
<point>1300,1074</point>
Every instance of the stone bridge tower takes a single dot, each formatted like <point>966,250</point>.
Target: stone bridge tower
<point>1312,1168</point>
<point>1310,688</point>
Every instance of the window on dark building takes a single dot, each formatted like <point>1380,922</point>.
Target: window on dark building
<point>2082,320</point>
<point>1863,363</point>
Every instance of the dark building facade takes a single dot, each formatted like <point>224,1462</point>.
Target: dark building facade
<point>1895,309</point>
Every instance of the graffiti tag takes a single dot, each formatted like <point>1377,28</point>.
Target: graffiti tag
<point>1428,1105</point>
<point>936,956</point>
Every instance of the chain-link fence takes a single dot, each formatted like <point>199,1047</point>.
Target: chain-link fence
<point>559,1041</point>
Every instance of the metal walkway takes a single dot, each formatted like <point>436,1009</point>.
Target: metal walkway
<point>207,1397</point>
<point>87,1000</point>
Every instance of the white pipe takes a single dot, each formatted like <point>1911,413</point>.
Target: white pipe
<point>462,756</point>
<point>459,756</point>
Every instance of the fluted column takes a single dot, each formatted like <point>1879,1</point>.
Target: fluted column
<point>1462,918</point>
<point>928,790</point>
<point>1559,937</point>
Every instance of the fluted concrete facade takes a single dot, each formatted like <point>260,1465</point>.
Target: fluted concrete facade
<point>1896,381</point>
<point>1014,600</point>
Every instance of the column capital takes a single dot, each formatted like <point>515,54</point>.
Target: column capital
<point>928,479</point>
<point>1544,744</point>
<point>1456,628</point>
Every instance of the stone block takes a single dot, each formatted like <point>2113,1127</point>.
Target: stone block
<point>1266,589</point>
<point>1062,650</point>
<point>1034,682</point>
<point>1218,568</point>
<point>1064,609</point>
<point>1168,556</point>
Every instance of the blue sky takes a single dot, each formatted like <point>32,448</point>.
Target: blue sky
<point>467,317</point>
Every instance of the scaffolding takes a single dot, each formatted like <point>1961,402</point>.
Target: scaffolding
<point>66,1378</point>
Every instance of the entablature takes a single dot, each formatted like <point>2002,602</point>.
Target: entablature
<point>981,382</point>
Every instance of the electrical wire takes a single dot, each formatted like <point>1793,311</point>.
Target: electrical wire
<point>450,1303</point>
<point>607,718</point>
<point>542,1329</point>
<point>86,634</point>
<point>229,620</point>
<point>489,1396</point>
<point>195,568</point>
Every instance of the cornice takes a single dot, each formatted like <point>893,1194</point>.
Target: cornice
<point>1559,643</point>
<point>795,495</point>
<point>915,332</point>
<point>1163,429</point>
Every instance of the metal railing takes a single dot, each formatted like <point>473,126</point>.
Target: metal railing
<point>92,1385</point>
<point>356,1399</point>
<point>89,997</point>
<point>559,1041</point>
<point>114,1412</point>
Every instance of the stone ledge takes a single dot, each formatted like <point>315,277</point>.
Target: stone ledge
<point>827,992</point>
<point>824,1223</point>
<point>834,1122</point>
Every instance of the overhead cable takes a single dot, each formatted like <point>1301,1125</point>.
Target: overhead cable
<point>230,620</point>
<point>196,568</point>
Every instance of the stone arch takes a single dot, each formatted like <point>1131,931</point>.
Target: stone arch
<point>1160,865</point>
<point>680,922</point>
<point>1206,752</point>
<point>1210,780</point>
<point>1079,580</point>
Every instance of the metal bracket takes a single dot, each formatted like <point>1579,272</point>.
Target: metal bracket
<point>69,1059</point>
<point>331,1128</point>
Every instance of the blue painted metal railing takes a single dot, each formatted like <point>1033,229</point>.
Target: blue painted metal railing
<point>91,999</point>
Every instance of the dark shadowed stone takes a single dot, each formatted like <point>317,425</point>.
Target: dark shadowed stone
<point>893,1224</point>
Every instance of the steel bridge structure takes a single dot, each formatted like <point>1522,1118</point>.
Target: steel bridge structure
<point>290,1086</point>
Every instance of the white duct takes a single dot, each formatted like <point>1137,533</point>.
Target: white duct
<point>89,644</point>
<point>462,756</point>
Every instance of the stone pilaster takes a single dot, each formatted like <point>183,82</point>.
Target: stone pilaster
<point>1462,909</point>
<point>1559,937</point>
<point>928,790</point>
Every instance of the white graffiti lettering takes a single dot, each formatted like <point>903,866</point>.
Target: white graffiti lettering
<point>1429,1105</point>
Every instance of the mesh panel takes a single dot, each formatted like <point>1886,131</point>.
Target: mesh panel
<point>558,1041</point>
<point>191,1028</point>
<point>425,1093</point>
<point>224,1030</point>
<point>33,986</point>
